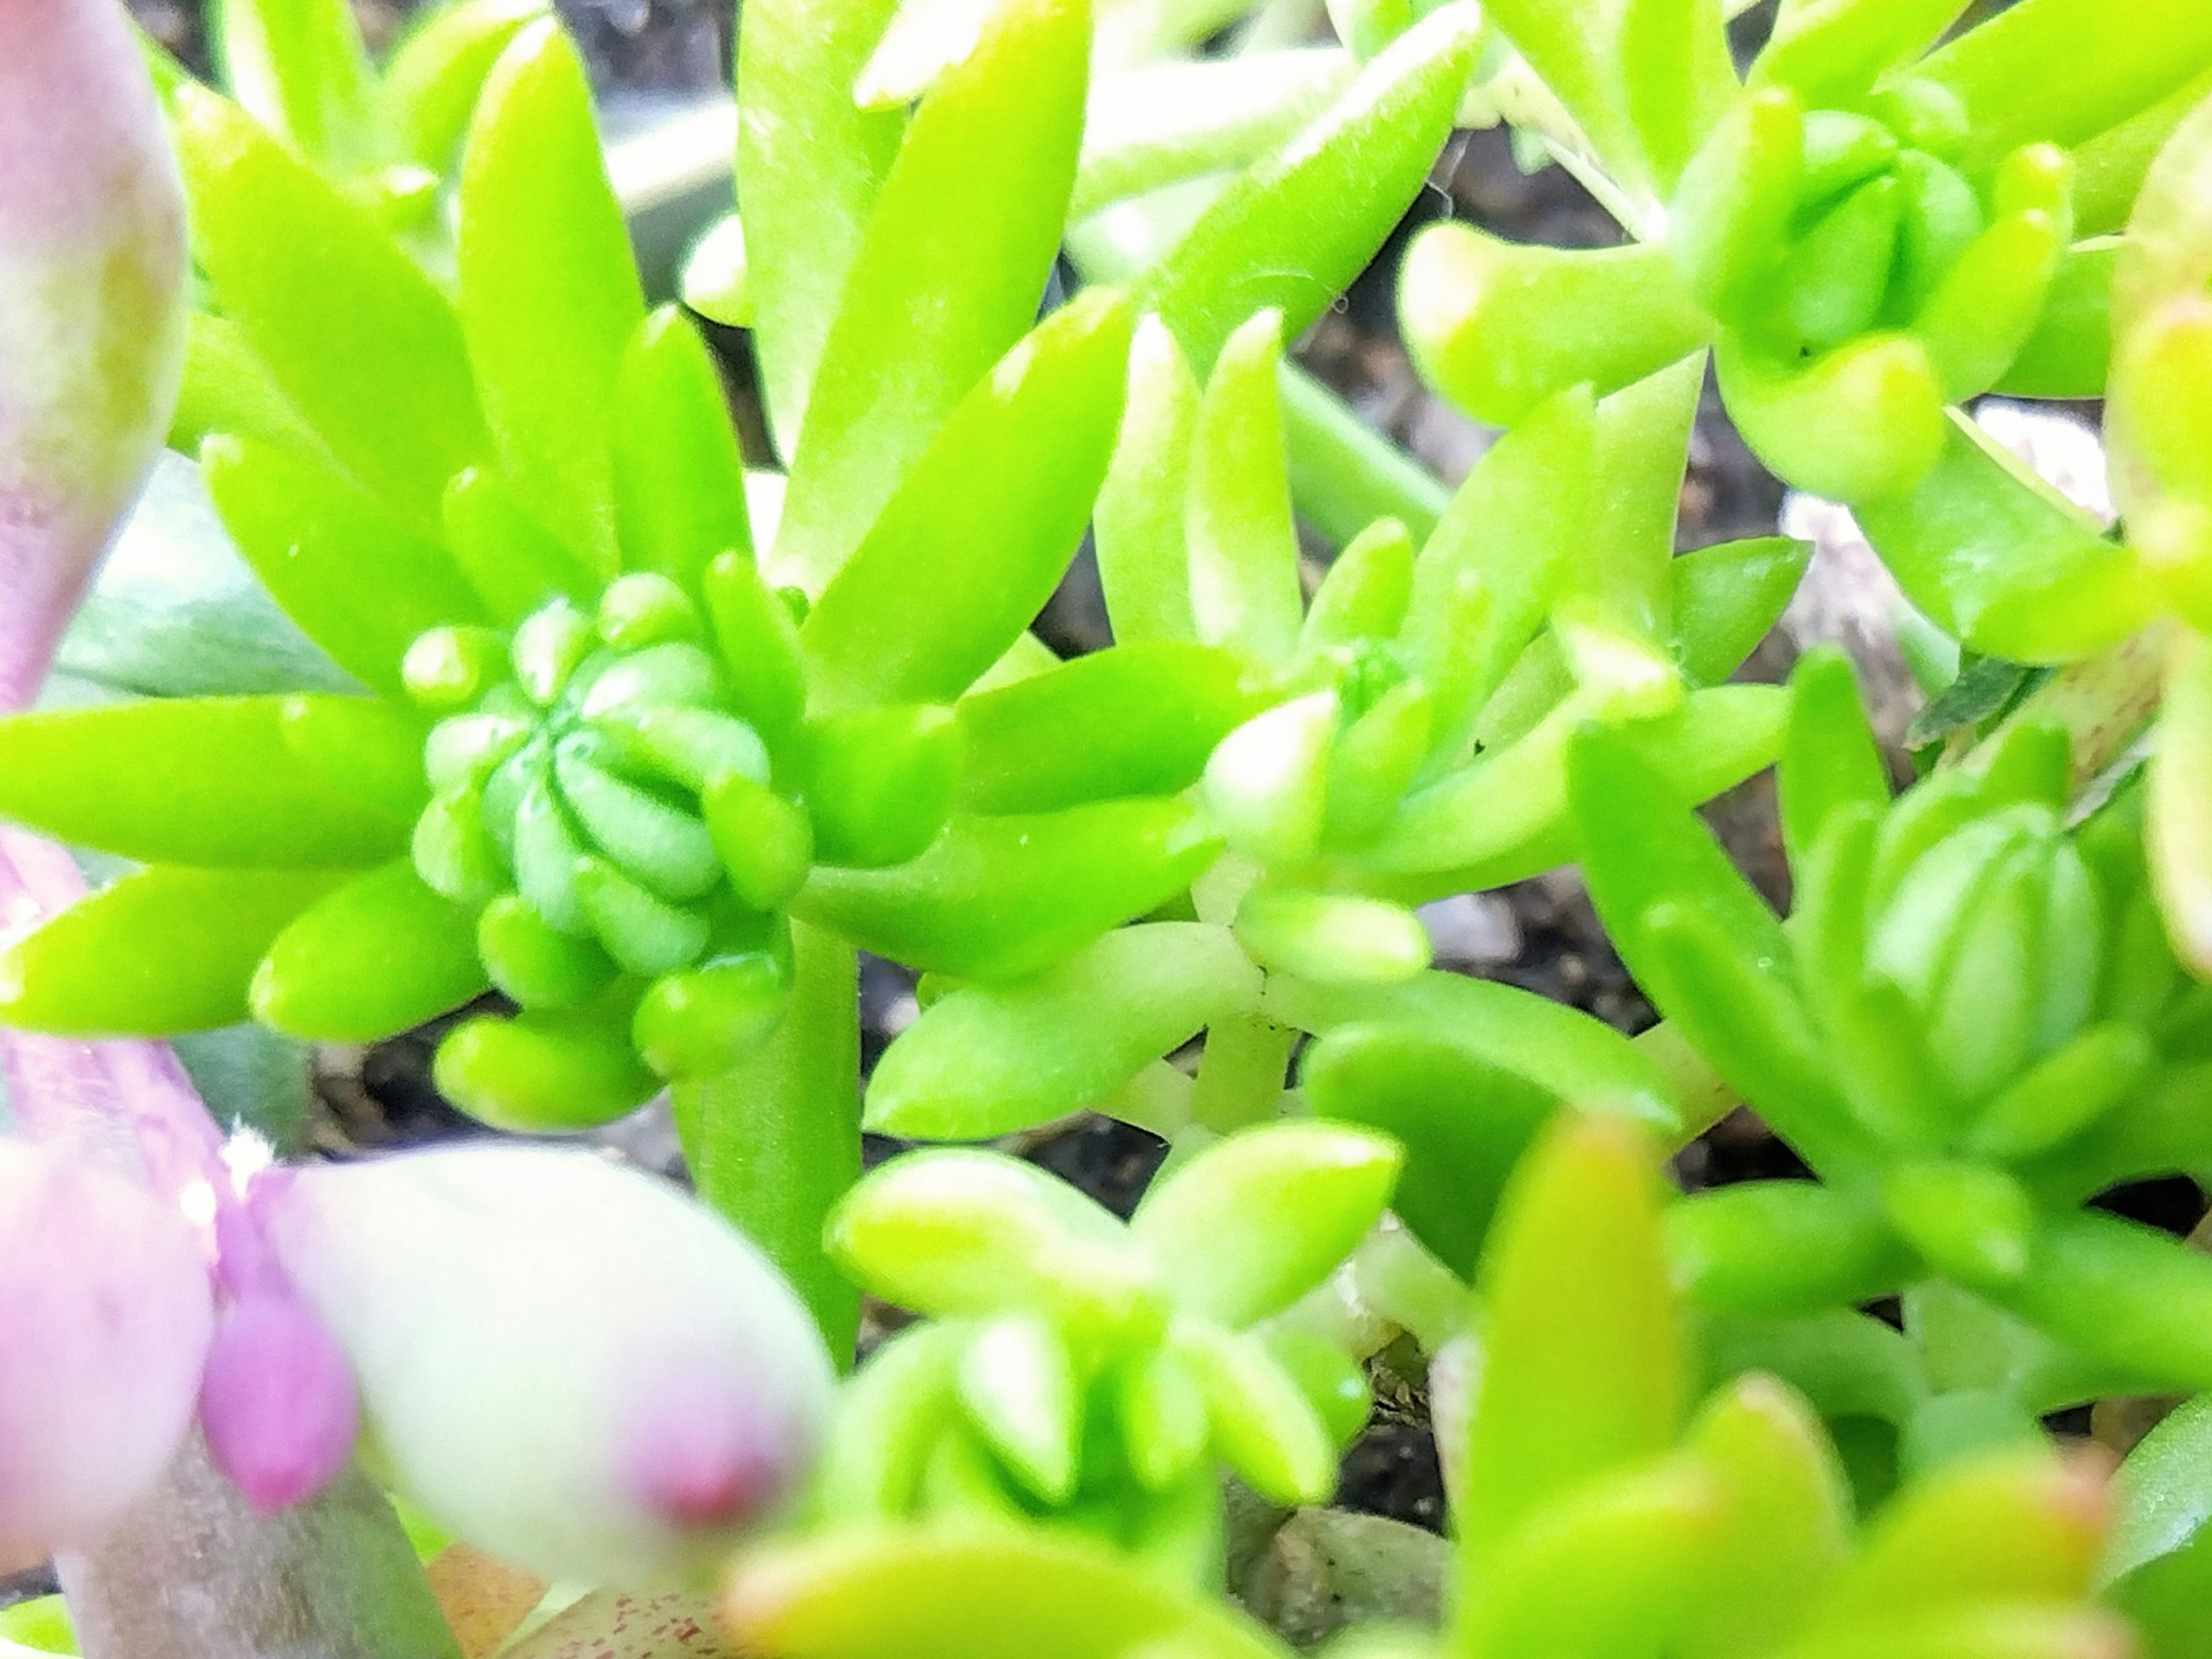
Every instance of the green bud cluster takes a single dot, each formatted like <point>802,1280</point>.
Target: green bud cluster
<point>1094,1374</point>
<point>1971,1025</point>
<point>579,782</point>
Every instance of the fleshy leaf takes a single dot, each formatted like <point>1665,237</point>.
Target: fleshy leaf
<point>1251,1222</point>
<point>1582,1371</point>
<point>923,316</point>
<point>984,1062</point>
<point>550,297</point>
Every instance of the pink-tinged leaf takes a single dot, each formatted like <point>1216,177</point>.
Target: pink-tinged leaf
<point>92,308</point>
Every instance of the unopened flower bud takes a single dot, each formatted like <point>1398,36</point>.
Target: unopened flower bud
<point>92,279</point>
<point>104,1298</point>
<point>562,1361</point>
<point>1997,934</point>
<point>277,1402</point>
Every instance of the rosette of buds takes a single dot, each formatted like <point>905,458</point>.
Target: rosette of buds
<point>578,781</point>
<point>1097,1374</point>
<point>1971,1025</point>
<point>1864,228</point>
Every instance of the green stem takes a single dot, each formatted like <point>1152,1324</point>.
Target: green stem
<point>775,1142</point>
<point>1240,1077</point>
<point>2103,703</point>
<point>1345,474</point>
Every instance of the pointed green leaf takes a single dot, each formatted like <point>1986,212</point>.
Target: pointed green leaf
<point>2057,70</point>
<point>809,164</point>
<point>1829,761</point>
<point>1142,565</point>
<point>1001,1593</point>
<point>946,278</point>
<point>1582,1369</point>
<point>1463,1120</point>
<point>357,580</point>
<point>1600,1571</point>
<point>1999,558</point>
<point>2011,1526</point>
<point>879,782</point>
<point>1250,1224</point>
<point>361,341</point>
<point>1241,546</point>
<point>981,529</point>
<point>1002,898</point>
<point>1487,576</point>
<point>679,475</point>
<point>1725,598</point>
<point>368,960</point>
<point>204,780</point>
<point>550,297</point>
<point>1018,1382</point>
<point>1294,229</point>
<point>986,1061</point>
<point>1832,50</point>
<point>1786,1518</point>
<point>436,72</point>
<point>300,68</point>
<point>1263,1425</point>
<point>951,1232</point>
<point>1497,327</point>
<point>1133,719</point>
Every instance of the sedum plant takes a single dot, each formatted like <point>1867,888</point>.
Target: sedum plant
<point>521,692</point>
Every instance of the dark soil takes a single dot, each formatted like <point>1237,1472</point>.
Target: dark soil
<point>384,1096</point>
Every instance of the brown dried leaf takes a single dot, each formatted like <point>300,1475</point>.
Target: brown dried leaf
<point>606,1625</point>
<point>483,1598</point>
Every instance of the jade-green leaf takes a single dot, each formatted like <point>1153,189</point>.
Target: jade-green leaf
<point>977,535</point>
<point>1250,1224</point>
<point>199,781</point>
<point>368,960</point>
<point>985,1061</point>
<point>1000,1593</point>
<point>1241,546</point>
<point>1296,227</point>
<point>809,163</point>
<point>2000,558</point>
<point>161,951</point>
<point>1581,1372</point>
<point>361,341</point>
<point>1463,1120</point>
<point>947,276</point>
<point>550,297</point>
<point>679,474</point>
<point>437,71</point>
<point>357,579</point>
<point>1001,898</point>
<point>300,69</point>
<point>1132,719</point>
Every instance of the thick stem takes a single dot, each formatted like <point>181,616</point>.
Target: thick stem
<point>1239,1076</point>
<point>193,1570</point>
<point>1345,474</point>
<point>775,1142</point>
